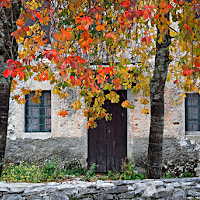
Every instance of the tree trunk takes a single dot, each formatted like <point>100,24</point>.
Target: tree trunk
<point>157,86</point>
<point>4,109</point>
<point>8,50</point>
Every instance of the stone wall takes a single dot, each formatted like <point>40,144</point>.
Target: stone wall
<point>163,189</point>
<point>68,137</point>
<point>179,155</point>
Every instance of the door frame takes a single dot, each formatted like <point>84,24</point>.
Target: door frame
<point>130,98</point>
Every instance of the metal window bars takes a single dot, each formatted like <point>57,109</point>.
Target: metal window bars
<point>192,112</point>
<point>38,117</point>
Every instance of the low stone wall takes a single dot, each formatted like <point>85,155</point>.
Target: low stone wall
<point>163,189</point>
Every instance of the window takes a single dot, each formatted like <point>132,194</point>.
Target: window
<point>192,112</point>
<point>38,117</point>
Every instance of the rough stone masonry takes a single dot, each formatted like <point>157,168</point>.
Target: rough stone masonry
<point>69,140</point>
<point>163,189</point>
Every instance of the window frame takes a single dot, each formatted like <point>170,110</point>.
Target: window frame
<point>192,132</point>
<point>41,116</point>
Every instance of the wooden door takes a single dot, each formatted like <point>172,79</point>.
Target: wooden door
<point>107,144</point>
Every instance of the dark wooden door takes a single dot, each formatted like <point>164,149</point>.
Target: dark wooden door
<point>107,144</point>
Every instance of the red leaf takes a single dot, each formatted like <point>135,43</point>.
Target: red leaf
<point>116,81</point>
<point>12,63</point>
<point>106,70</point>
<point>21,75</point>
<point>196,63</point>
<point>38,15</point>
<point>169,6</point>
<point>12,73</point>
<point>26,28</point>
<point>139,13</point>
<point>125,4</point>
<point>50,54</point>
<point>144,39</point>
<point>6,73</point>
<point>186,72</point>
<point>129,15</point>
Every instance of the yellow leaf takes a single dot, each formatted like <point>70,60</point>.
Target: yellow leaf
<point>195,89</point>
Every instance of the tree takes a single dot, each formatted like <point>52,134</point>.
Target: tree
<point>8,50</point>
<point>94,45</point>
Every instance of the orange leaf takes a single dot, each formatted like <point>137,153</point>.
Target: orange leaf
<point>78,20</point>
<point>67,35</point>
<point>151,7</point>
<point>163,4</point>
<point>89,40</point>
<point>109,35</point>
<point>156,16</point>
<point>98,28</point>
<point>71,6</point>
<point>97,17</point>
<point>146,15</point>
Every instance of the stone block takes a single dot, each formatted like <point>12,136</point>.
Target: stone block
<point>34,190</point>
<point>127,195</point>
<point>12,197</point>
<point>117,190</point>
<point>179,195</point>
<point>58,196</point>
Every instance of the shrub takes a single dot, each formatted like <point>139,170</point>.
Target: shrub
<point>23,171</point>
<point>48,171</point>
<point>128,171</point>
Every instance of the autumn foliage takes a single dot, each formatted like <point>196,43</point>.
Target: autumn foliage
<point>105,45</point>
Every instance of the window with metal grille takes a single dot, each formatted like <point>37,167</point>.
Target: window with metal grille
<point>192,112</point>
<point>38,116</point>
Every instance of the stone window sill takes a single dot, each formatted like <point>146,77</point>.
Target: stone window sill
<point>37,135</point>
<point>197,133</point>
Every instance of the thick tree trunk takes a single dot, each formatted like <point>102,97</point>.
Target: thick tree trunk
<point>157,86</point>
<point>4,108</point>
<point>8,50</point>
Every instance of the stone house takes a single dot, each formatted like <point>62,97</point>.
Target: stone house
<point>36,132</point>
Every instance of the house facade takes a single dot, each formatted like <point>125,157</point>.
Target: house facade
<point>37,132</point>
